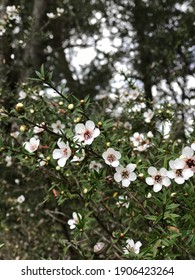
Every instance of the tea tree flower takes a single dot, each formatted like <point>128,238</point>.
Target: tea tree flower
<point>140,142</point>
<point>125,175</point>
<point>58,127</point>
<point>123,201</point>
<point>39,128</point>
<point>111,157</point>
<point>75,221</point>
<point>131,246</point>
<point>158,178</point>
<point>148,115</point>
<point>32,145</point>
<point>20,199</point>
<point>189,158</point>
<point>86,133</point>
<point>63,153</point>
<point>95,165</point>
<point>8,159</point>
<point>178,172</point>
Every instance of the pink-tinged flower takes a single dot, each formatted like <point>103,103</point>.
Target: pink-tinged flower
<point>86,133</point>
<point>32,145</point>
<point>189,158</point>
<point>179,173</point>
<point>158,178</point>
<point>125,175</point>
<point>140,142</point>
<point>75,221</point>
<point>95,165</point>
<point>58,127</point>
<point>111,157</point>
<point>148,115</point>
<point>63,153</point>
<point>131,246</point>
<point>39,128</point>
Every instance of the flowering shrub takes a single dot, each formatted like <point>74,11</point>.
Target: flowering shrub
<point>123,189</point>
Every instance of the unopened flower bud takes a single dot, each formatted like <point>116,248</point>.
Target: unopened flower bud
<point>23,128</point>
<point>19,107</point>
<point>99,247</point>
<point>71,106</point>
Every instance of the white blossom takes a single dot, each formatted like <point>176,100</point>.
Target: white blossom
<point>75,221</point>
<point>179,173</point>
<point>123,201</point>
<point>148,115</point>
<point>20,199</point>
<point>125,175</point>
<point>63,153</point>
<point>95,165</point>
<point>131,246</point>
<point>32,145</point>
<point>111,157</point>
<point>158,178</point>
<point>86,133</point>
<point>57,127</point>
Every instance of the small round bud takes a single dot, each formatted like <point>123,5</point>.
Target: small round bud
<point>60,103</point>
<point>141,175</point>
<point>99,123</point>
<point>159,111</point>
<point>149,195</point>
<point>48,158</point>
<point>115,194</point>
<point>82,101</point>
<point>23,128</point>
<point>62,192</point>
<point>32,111</point>
<point>85,190</point>
<point>19,107</point>
<point>108,144</point>
<point>99,247</point>
<point>122,235</point>
<point>57,168</point>
<point>71,106</point>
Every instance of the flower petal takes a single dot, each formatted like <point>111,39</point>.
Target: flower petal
<point>62,161</point>
<point>152,171</point>
<point>90,125</point>
<point>157,187</point>
<point>150,181</point>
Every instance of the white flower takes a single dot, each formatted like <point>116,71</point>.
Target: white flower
<point>193,146</point>
<point>123,201</point>
<point>125,174</point>
<point>75,221</point>
<point>39,128</point>
<point>111,157</point>
<point>15,134</point>
<point>8,159</point>
<point>127,125</point>
<point>50,15</point>
<point>189,158</point>
<point>158,178</point>
<point>32,145</point>
<point>95,165</point>
<point>140,142</point>
<point>58,127</point>
<point>86,133</point>
<point>22,95</point>
<point>63,153</point>
<point>148,115</point>
<point>178,173</point>
<point>131,246</point>
<point>80,157</point>
<point>42,161</point>
<point>20,199</point>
